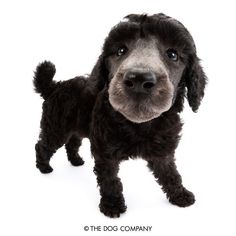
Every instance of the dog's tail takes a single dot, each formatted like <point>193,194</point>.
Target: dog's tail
<point>43,83</point>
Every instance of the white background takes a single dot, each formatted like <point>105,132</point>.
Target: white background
<point>71,34</point>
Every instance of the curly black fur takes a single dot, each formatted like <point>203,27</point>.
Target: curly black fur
<point>43,82</point>
<point>80,108</point>
<point>66,115</point>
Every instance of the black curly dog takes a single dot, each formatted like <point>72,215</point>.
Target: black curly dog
<point>128,107</point>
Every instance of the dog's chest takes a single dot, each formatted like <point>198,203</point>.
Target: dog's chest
<point>119,138</point>
<point>138,141</point>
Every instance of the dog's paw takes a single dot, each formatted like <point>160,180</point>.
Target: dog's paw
<point>44,169</point>
<point>182,198</point>
<point>76,161</point>
<point>112,207</point>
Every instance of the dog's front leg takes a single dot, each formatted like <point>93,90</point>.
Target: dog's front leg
<point>166,174</point>
<point>112,202</point>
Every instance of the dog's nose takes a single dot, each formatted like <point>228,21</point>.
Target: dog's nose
<point>139,82</point>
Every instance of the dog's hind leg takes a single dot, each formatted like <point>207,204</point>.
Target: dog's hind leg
<point>72,148</point>
<point>45,148</point>
<point>43,154</point>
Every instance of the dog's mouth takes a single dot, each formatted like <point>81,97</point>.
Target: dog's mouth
<point>138,115</point>
<point>139,109</point>
<point>139,112</point>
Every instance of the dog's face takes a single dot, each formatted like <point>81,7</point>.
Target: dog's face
<point>146,58</point>
<point>144,77</point>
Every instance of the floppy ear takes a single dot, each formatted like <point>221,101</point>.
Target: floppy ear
<point>99,74</point>
<point>195,80</point>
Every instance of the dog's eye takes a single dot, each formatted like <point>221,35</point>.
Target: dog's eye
<point>121,51</point>
<point>172,54</point>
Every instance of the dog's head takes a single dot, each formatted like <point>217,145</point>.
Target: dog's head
<point>147,63</point>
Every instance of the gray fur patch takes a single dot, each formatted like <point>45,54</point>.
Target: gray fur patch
<point>144,57</point>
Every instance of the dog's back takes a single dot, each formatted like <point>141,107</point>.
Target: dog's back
<point>68,104</point>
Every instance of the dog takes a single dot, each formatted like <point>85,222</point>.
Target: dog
<point>128,107</point>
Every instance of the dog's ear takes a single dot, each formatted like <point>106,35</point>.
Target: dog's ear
<point>99,74</point>
<point>195,80</point>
